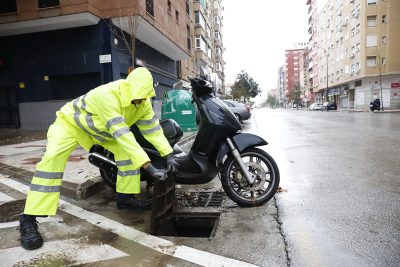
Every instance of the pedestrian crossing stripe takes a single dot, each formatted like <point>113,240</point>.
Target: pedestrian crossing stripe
<point>71,251</point>
<point>5,198</point>
<point>40,220</point>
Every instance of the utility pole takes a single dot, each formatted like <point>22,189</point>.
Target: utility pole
<point>327,74</point>
<point>380,77</point>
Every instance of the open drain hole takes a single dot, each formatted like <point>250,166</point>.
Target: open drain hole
<point>190,225</point>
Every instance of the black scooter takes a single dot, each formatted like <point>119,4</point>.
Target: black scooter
<point>375,105</point>
<point>249,175</point>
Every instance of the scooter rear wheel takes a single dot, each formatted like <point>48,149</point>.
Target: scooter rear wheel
<point>110,178</point>
<point>259,163</point>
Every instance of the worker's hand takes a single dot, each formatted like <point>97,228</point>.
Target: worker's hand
<point>171,163</point>
<point>157,174</point>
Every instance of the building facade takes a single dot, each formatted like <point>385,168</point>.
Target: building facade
<point>282,99</point>
<point>53,51</point>
<point>293,67</point>
<point>356,53</point>
<point>208,39</point>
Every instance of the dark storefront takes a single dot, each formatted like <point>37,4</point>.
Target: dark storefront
<point>46,69</point>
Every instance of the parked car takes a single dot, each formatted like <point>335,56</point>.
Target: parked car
<point>315,106</point>
<point>329,106</point>
<point>241,111</point>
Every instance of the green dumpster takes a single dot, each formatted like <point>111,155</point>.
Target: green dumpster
<point>177,105</point>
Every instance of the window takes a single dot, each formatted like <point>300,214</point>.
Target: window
<point>371,41</point>
<point>169,7</point>
<point>8,6</point>
<point>217,20</point>
<point>150,7</point>
<point>384,39</point>
<point>201,44</point>
<point>371,61</point>
<point>358,28</point>
<point>203,3</point>
<point>383,61</point>
<point>353,32</point>
<point>189,39</point>
<point>371,21</point>
<point>218,51</point>
<point>371,2</point>
<point>187,8</point>
<point>199,19</point>
<point>177,16</point>
<point>358,47</point>
<point>383,18</point>
<point>48,3</point>
<point>217,35</point>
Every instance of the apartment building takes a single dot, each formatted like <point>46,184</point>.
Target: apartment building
<point>281,86</point>
<point>52,51</point>
<point>208,39</point>
<point>355,53</point>
<point>294,63</point>
<point>307,96</point>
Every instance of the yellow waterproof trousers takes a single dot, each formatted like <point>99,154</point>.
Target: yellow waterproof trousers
<point>44,192</point>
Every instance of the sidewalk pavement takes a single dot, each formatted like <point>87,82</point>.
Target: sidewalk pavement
<point>81,179</point>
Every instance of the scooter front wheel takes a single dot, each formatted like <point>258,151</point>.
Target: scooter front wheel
<point>236,186</point>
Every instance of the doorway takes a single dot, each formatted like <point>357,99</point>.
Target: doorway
<point>9,115</point>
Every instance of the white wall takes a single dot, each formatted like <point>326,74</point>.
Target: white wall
<point>38,115</point>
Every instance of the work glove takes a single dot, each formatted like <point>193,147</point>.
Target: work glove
<point>171,163</point>
<point>157,174</point>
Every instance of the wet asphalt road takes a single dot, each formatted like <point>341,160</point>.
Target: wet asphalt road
<point>342,175</point>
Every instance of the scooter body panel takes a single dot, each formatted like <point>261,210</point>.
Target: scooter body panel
<point>242,142</point>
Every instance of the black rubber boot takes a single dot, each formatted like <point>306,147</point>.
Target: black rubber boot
<point>30,236</point>
<point>133,203</point>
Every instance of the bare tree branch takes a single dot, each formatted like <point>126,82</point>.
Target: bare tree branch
<point>125,28</point>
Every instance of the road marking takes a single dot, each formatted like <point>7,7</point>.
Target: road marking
<point>40,220</point>
<point>161,245</point>
<point>5,198</point>
<point>69,252</point>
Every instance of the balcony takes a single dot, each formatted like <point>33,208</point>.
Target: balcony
<point>217,27</point>
<point>151,36</point>
<point>48,24</point>
<point>217,42</point>
<point>200,55</point>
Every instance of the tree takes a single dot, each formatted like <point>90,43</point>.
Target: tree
<point>272,101</point>
<point>245,86</point>
<point>294,95</point>
<point>125,28</point>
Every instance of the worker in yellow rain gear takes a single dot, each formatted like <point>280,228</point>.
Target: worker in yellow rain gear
<point>102,116</point>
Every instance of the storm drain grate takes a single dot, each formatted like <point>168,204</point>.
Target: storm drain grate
<point>204,199</point>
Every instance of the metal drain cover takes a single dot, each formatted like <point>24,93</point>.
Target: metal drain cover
<point>10,211</point>
<point>204,199</point>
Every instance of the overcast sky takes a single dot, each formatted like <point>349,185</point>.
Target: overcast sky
<point>256,34</point>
